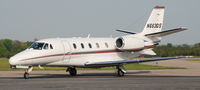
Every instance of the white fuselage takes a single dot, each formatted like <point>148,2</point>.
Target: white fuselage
<point>72,52</point>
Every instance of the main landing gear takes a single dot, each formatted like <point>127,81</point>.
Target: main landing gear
<point>72,71</point>
<point>120,70</point>
<point>26,74</point>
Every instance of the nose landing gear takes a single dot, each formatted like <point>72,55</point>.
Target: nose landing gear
<point>26,74</point>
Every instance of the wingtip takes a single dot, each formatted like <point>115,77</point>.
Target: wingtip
<point>159,7</point>
<point>183,28</point>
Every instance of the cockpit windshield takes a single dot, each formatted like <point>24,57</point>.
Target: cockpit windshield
<point>37,46</point>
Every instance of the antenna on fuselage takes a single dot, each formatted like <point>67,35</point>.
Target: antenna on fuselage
<point>88,36</point>
<point>35,39</point>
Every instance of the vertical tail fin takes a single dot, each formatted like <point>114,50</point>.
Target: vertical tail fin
<point>155,21</point>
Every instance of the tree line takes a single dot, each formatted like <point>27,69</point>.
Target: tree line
<point>177,50</point>
<point>9,48</point>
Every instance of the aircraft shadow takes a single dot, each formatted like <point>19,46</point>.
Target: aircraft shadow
<point>88,75</point>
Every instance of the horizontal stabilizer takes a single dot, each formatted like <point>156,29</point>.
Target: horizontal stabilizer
<point>164,33</point>
<point>125,31</point>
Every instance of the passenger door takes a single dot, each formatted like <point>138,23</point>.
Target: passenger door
<point>67,50</point>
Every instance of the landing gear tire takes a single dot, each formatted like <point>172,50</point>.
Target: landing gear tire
<point>26,75</point>
<point>72,71</point>
<point>120,73</point>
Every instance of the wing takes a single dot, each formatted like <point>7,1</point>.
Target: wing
<point>164,33</point>
<point>114,63</point>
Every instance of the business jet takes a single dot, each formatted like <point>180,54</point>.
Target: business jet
<point>90,52</point>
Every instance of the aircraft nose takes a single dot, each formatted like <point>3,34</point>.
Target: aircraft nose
<point>12,61</point>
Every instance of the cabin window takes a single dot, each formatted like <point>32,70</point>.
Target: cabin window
<point>82,45</point>
<point>106,44</point>
<point>51,47</point>
<point>90,46</point>
<point>37,46</point>
<point>46,46</point>
<point>97,44</point>
<point>74,45</point>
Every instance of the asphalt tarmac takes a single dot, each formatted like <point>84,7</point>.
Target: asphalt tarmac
<point>97,81</point>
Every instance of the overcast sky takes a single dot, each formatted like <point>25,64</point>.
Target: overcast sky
<point>25,20</point>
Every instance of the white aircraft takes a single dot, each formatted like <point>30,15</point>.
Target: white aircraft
<point>96,52</point>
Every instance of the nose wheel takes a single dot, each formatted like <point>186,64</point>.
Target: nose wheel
<point>26,74</point>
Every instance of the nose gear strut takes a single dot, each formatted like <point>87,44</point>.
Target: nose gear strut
<point>26,74</point>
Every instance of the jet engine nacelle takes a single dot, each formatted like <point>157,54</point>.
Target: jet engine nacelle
<point>129,43</point>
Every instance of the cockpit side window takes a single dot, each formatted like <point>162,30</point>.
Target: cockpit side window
<point>51,47</point>
<point>37,46</point>
<point>46,46</point>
